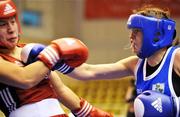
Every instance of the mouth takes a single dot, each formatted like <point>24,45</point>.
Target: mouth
<point>134,47</point>
<point>133,44</point>
<point>13,39</point>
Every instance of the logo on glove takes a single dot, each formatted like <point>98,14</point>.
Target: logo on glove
<point>157,104</point>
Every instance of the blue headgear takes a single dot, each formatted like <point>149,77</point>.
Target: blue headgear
<point>157,33</point>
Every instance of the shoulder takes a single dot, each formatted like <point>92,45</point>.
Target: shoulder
<point>176,62</point>
<point>130,62</point>
<point>177,55</point>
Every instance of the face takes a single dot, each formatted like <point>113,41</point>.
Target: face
<point>8,32</point>
<point>136,37</point>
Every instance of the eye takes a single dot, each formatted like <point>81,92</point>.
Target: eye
<point>13,21</point>
<point>3,23</point>
<point>135,30</point>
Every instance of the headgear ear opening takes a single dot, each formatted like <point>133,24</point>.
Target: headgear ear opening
<point>174,35</point>
<point>157,36</point>
<point>157,33</point>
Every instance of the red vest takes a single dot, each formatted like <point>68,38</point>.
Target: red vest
<point>39,92</point>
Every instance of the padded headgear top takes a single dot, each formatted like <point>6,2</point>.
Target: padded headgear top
<point>8,9</point>
<point>157,33</point>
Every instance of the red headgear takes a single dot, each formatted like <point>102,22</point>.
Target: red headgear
<point>8,9</point>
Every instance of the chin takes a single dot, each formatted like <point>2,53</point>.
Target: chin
<point>134,50</point>
<point>11,47</point>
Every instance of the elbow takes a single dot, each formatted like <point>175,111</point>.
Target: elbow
<point>24,81</point>
<point>27,84</point>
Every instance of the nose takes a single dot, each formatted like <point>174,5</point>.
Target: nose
<point>132,36</point>
<point>10,27</point>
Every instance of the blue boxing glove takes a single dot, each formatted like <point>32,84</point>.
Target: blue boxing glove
<point>155,104</point>
<point>30,52</point>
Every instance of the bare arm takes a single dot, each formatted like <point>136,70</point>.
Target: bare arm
<point>122,68</point>
<point>22,77</point>
<point>129,93</point>
<point>176,63</point>
<point>66,96</point>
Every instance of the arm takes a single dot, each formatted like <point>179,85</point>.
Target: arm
<point>66,96</point>
<point>22,77</point>
<point>129,92</point>
<point>32,74</point>
<point>122,68</point>
<point>78,106</point>
<point>176,65</point>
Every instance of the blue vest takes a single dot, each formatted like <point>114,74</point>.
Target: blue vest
<point>161,79</point>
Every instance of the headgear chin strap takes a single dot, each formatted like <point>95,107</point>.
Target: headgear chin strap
<point>157,33</point>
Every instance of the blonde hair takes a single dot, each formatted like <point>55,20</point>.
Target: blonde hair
<point>154,11</point>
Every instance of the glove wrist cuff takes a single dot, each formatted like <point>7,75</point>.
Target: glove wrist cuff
<point>49,56</point>
<point>63,67</point>
<point>84,110</point>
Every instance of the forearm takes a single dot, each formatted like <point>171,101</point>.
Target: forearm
<point>22,77</point>
<point>66,96</point>
<point>79,107</point>
<point>87,72</point>
<point>99,72</point>
<point>35,72</point>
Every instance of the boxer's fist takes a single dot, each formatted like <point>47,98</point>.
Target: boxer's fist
<point>30,52</point>
<point>71,50</point>
<point>154,104</point>
<point>95,112</point>
<point>74,52</point>
<point>87,110</point>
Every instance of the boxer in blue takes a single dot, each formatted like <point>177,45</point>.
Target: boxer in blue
<point>156,66</point>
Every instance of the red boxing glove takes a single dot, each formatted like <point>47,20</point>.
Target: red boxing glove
<point>87,110</point>
<point>74,52</point>
<point>71,50</point>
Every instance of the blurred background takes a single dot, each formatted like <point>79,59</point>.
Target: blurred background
<point>101,25</point>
